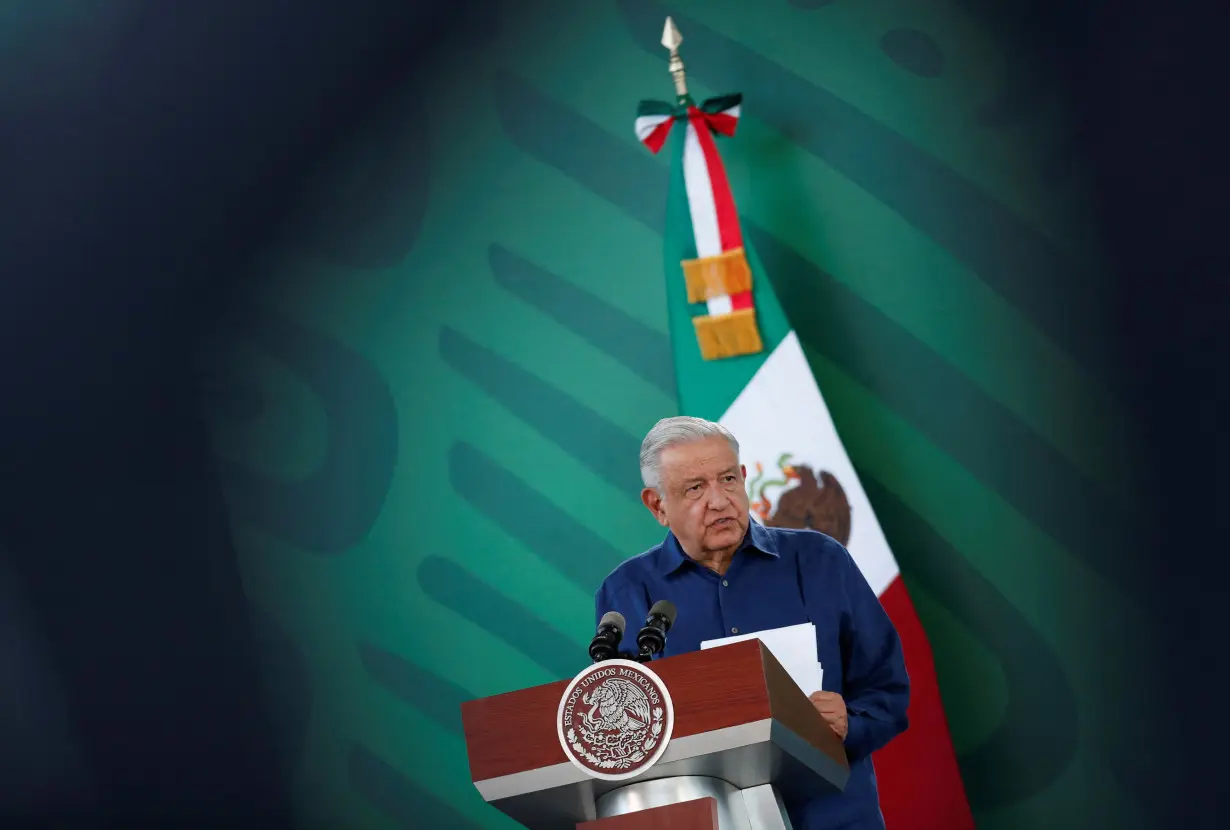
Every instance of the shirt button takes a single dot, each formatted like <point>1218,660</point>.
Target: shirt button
<point>734,630</point>
<point>725,583</point>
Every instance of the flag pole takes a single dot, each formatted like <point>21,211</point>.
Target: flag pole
<point>671,39</point>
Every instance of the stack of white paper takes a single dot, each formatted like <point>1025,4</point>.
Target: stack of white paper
<point>794,647</point>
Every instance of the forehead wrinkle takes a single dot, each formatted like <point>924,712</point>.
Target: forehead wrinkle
<point>696,460</point>
<point>691,478</point>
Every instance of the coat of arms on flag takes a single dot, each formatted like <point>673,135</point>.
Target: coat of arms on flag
<point>796,496</point>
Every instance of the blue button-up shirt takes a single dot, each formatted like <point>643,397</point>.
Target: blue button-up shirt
<point>779,578</point>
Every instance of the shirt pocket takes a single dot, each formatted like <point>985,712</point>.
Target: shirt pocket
<point>780,602</point>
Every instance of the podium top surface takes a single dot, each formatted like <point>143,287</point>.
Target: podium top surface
<point>715,690</point>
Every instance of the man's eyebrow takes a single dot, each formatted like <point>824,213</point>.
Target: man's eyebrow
<point>695,479</point>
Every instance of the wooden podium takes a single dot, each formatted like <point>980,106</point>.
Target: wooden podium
<point>744,735</point>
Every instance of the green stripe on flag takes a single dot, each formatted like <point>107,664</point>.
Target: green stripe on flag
<point>721,103</point>
<point>654,108</point>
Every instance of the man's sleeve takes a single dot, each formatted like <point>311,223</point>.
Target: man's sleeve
<point>877,687</point>
<point>618,595</point>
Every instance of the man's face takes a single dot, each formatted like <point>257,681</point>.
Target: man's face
<point>703,499</point>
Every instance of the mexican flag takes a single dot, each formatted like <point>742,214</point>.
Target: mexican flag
<point>738,361</point>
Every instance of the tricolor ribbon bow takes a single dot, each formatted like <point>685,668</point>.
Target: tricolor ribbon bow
<point>654,119</point>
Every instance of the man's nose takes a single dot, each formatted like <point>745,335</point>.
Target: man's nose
<point>718,498</point>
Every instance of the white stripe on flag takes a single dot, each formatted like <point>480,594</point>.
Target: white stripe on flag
<point>700,197</point>
<point>703,209</point>
<point>646,124</point>
<point>782,411</point>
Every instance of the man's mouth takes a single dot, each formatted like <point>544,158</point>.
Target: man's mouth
<point>723,522</point>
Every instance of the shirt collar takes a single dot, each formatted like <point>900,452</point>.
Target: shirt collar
<point>670,556</point>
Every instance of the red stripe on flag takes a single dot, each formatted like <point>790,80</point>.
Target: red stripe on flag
<point>741,300</point>
<point>723,122</point>
<point>919,781</point>
<point>723,200</point>
<point>657,137</point>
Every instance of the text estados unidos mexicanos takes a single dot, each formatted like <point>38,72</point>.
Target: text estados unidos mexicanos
<point>602,674</point>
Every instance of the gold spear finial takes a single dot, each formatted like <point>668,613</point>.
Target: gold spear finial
<point>671,40</point>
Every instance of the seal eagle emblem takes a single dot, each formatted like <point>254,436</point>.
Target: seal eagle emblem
<point>805,501</point>
<point>615,719</point>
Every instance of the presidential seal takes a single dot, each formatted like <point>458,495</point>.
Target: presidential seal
<point>615,719</point>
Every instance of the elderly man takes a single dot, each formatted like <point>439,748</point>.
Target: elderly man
<point>727,575</point>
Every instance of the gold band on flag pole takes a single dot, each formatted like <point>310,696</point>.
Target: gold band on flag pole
<point>714,276</point>
<point>727,335</point>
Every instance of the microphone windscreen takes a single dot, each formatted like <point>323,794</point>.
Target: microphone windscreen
<point>664,608</point>
<point>614,618</point>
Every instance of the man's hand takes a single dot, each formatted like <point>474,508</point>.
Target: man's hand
<point>833,709</point>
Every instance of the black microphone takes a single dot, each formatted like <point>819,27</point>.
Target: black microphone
<point>606,642</point>
<point>652,638</point>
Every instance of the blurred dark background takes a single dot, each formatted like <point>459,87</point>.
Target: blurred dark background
<point>147,150</point>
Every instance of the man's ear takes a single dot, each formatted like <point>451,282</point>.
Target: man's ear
<point>653,501</point>
<point>743,471</point>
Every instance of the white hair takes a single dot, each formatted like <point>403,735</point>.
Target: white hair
<point>669,432</point>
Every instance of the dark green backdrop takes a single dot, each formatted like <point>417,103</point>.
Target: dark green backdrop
<point>427,415</point>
